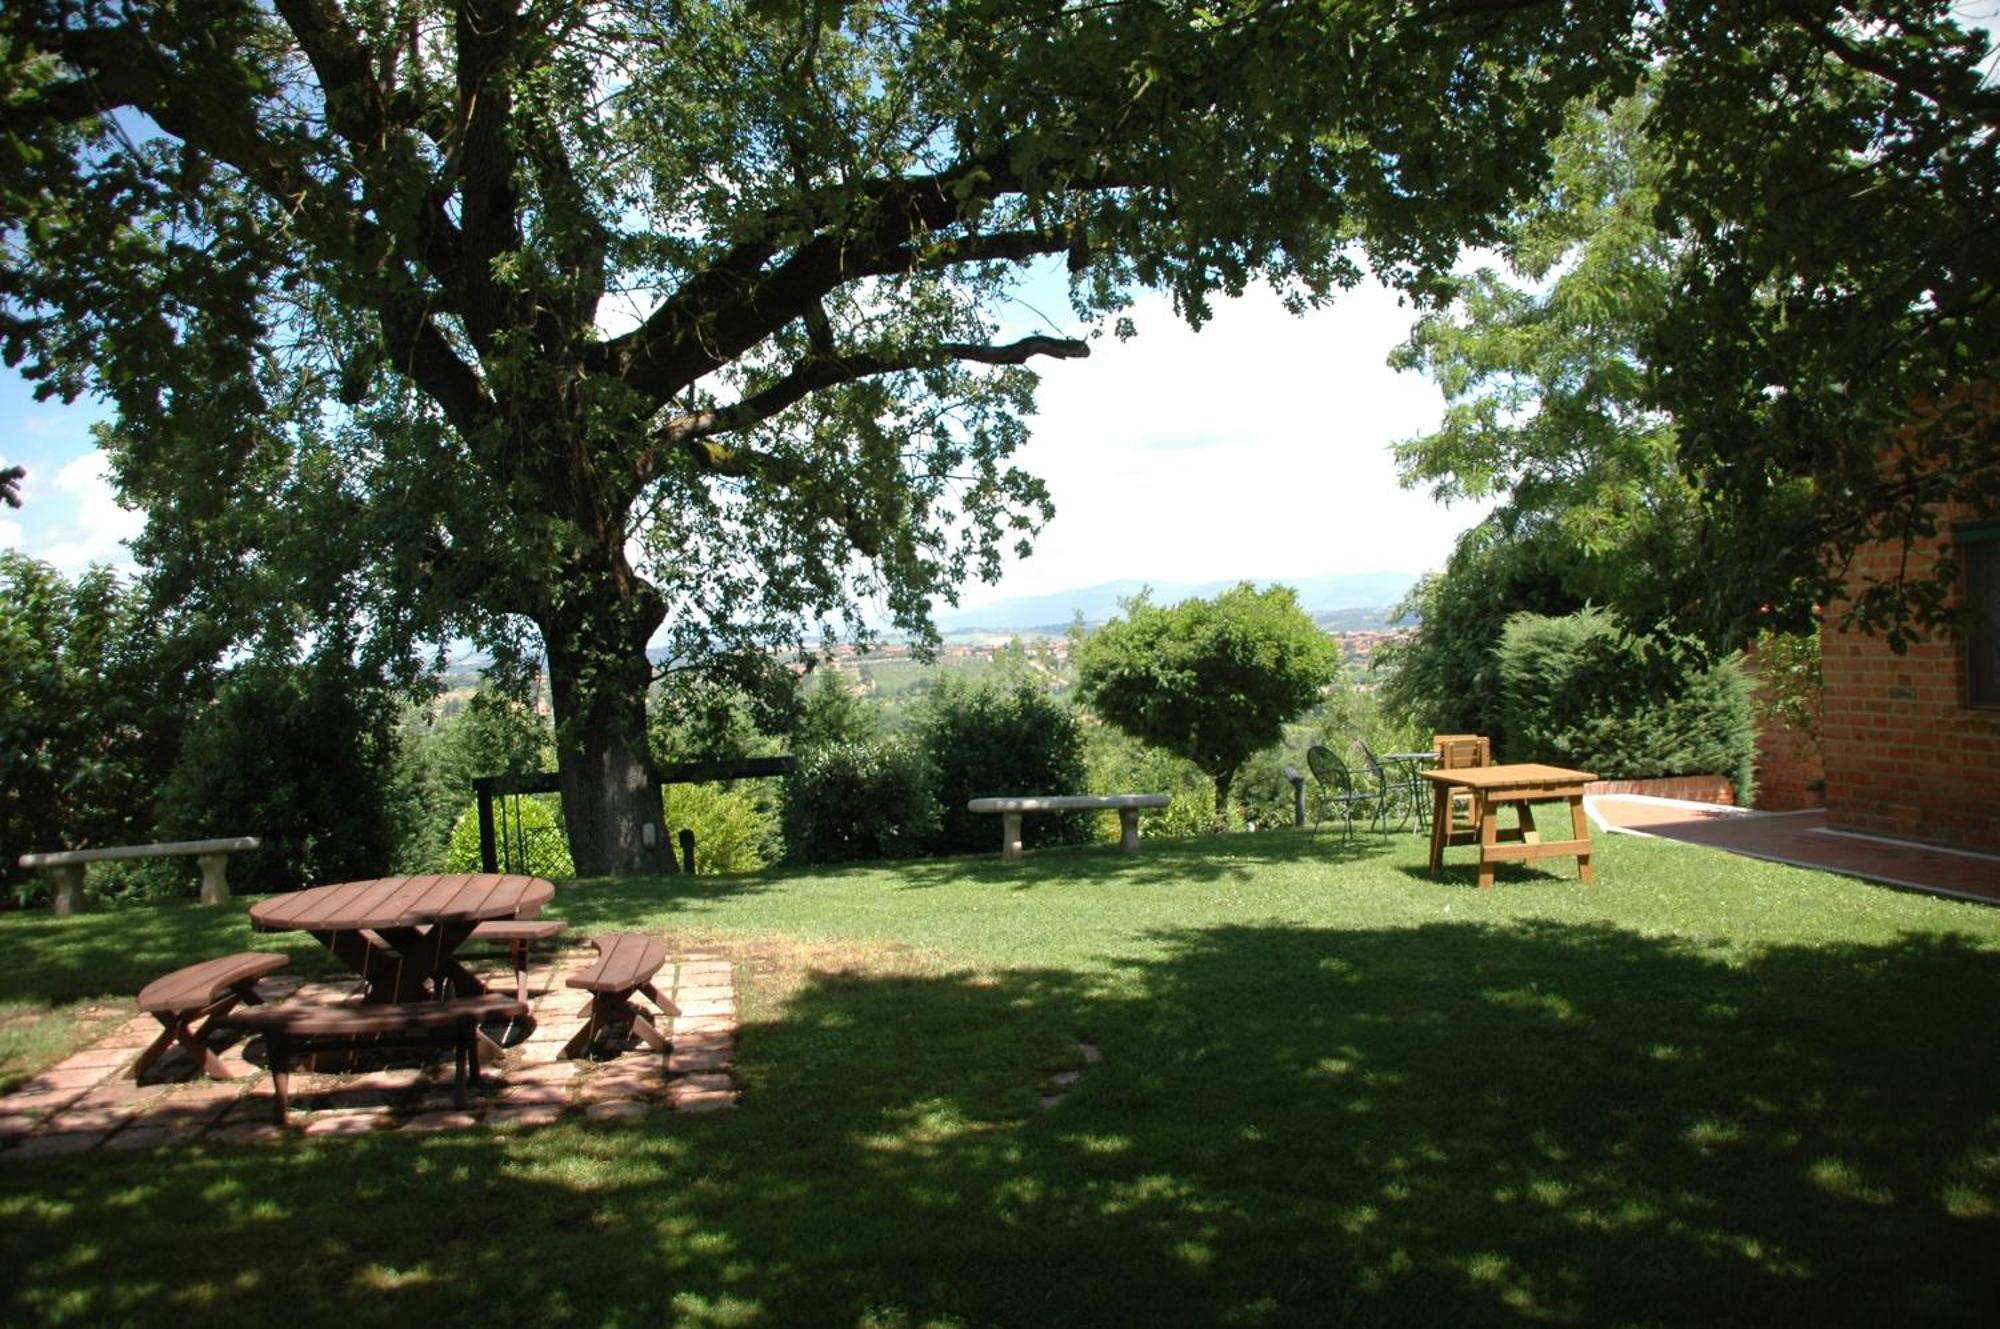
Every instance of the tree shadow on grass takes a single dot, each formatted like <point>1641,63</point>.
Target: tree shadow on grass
<point>1452,1124</point>
<point>1201,858</point>
<point>57,960</point>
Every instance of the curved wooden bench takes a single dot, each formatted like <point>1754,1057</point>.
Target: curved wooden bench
<point>210,989</point>
<point>1127,806</point>
<point>290,1029</point>
<point>626,964</point>
<point>518,934</point>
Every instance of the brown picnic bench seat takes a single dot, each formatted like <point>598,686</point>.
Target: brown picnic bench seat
<point>206,992</point>
<point>518,934</point>
<point>626,964</point>
<point>455,1022</point>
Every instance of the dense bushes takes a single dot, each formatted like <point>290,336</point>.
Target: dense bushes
<point>981,741</point>
<point>854,799</point>
<point>300,757</point>
<point>1581,691</point>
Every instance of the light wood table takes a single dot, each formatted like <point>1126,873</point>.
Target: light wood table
<point>1519,784</point>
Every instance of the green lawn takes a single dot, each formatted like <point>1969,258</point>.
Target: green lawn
<point>1333,1090</point>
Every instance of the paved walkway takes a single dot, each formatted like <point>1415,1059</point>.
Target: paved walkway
<point>1803,839</point>
<point>88,1102</point>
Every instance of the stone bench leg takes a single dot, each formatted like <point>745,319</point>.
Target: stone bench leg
<point>1128,830</point>
<point>1010,835</point>
<point>68,898</point>
<point>214,878</point>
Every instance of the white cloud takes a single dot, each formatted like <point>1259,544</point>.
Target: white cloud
<point>99,528</point>
<point>10,534</point>
<point>1256,448</point>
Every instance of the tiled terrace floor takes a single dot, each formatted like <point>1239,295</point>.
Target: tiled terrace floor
<point>1803,839</point>
<point>89,1102</point>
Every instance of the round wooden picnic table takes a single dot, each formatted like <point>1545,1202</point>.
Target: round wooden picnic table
<point>399,933</point>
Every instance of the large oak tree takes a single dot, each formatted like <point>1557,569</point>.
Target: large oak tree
<point>621,318</point>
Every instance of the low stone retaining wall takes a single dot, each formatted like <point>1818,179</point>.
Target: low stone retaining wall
<point>1689,788</point>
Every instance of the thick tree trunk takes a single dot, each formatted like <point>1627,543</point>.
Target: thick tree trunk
<point>1223,779</point>
<point>599,682</point>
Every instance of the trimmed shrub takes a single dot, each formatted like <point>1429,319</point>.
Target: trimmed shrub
<point>1121,764</point>
<point>854,800</point>
<point>735,827</point>
<point>982,741</point>
<point>537,819</point>
<point>1581,691</point>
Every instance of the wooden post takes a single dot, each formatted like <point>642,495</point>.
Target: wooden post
<point>687,850</point>
<point>489,856</point>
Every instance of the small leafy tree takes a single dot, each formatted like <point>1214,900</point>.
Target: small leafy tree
<point>92,702</point>
<point>1212,680</point>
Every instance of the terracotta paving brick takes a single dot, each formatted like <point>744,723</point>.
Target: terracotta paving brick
<point>680,1062</point>
<point>117,1092</point>
<point>48,1145</point>
<point>546,1072</point>
<point>706,992</point>
<point>133,1034</point>
<point>389,1080</point>
<point>616,1109</point>
<point>525,1114</point>
<point>149,1137</point>
<point>246,1132</point>
<point>78,1117</point>
<point>74,1077</point>
<point>533,1095</point>
<point>16,1124</point>
<point>95,1056</point>
<point>442,1121</point>
<point>703,1024</point>
<point>347,1123</point>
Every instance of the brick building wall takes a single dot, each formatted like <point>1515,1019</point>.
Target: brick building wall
<point>1790,775</point>
<point>1905,754</point>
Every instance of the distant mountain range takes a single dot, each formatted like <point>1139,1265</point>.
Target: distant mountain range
<point>1324,595</point>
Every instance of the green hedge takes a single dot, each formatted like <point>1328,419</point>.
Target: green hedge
<point>1582,691</point>
<point>852,800</point>
<point>982,741</point>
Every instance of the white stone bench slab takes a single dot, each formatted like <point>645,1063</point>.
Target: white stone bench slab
<point>67,865</point>
<point>1127,806</point>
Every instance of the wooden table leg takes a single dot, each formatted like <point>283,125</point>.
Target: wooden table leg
<point>1440,823</point>
<point>1487,810</point>
<point>1580,830</point>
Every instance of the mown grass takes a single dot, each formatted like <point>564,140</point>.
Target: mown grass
<point>1333,1090</point>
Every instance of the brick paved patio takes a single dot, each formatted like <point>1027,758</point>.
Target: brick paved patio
<point>88,1102</point>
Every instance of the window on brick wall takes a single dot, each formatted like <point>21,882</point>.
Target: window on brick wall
<point>1981,547</point>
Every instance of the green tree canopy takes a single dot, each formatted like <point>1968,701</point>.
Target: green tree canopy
<point>92,705</point>
<point>565,325</point>
<point>1210,680</point>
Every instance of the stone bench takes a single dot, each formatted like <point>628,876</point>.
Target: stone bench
<point>1127,806</point>
<point>67,866</point>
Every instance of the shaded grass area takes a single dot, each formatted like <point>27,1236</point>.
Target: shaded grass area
<point>1334,1090</point>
